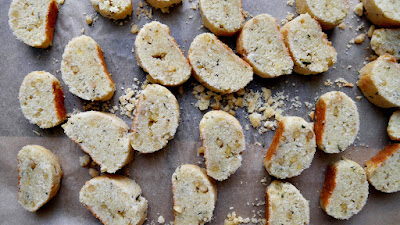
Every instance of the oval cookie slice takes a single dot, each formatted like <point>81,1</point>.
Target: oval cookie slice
<point>309,47</point>
<point>393,128</point>
<point>114,199</point>
<point>39,176</point>
<point>223,141</point>
<point>345,190</point>
<point>383,12</point>
<point>158,54</point>
<point>261,45</point>
<point>292,148</point>
<point>194,197</point>
<point>337,122</point>
<point>115,9</point>
<point>223,18</point>
<point>33,22</point>
<point>216,66</point>
<point>84,70</point>
<point>103,136</point>
<point>42,99</point>
<point>156,119</point>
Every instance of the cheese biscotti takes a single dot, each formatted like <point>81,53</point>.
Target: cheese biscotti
<point>292,148</point>
<point>42,100</point>
<point>223,18</point>
<point>156,119</point>
<point>262,46</point>
<point>103,136</point>
<point>223,142</point>
<point>39,176</point>
<point>309,47</point>
<point>380,82</point>
<point>383,169</point>
<point>115,9</point>
<point>285,205</point>
<point>386,42</point>
<point>345,190</point>
<point>114,199</point>
<point>337,122</point>
<point>393,128</point>
<point>216,66</point>
<point>163,4</point>
<point>158,54</point>
<point>33,22</point>
<point>328,13</point>
<point>383,12</point>
<point>84,70</point>
<point>195,195</point>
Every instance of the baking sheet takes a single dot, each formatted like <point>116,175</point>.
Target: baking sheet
<point>243,191</point>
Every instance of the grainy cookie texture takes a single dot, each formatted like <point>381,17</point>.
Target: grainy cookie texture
<point>386,42</point>
<point>113,9</point>
<point>114,199</point>
<point>39,176</point>
<point>42,100</point>
<point>383,12</point>
<point>262,46</point>
<point>33,22</point>
<point>223,140</point>
<point>393,128</point>
<point>163,4</point>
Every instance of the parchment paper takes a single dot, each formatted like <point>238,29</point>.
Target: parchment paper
<point>153,171</point>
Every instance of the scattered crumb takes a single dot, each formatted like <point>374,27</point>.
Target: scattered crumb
<point>200,150</point>
<point>194,6</point>
<point>311,115</point>
<point>361,26</point>
<point>61,2</point>
<point>255,119</point>
<point>134,29</point>
<point>359,9</point>
<point>83,30</point>
<point>161,220</point>
<point>359,39</point>
<point>93,172</point>
<point>290,2</point>
<point>341,82</point>
<point>328,83</point>
<point>289,16</point>
<point>247,14</point>
<point>232,219</point>
<point>371,30</point>
<point>342,26</point>
<point>89,19</point>
<point>84,160</point>
<point>359,97</point>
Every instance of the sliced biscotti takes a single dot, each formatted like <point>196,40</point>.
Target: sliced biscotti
<point>39,176</point>
<point>393,128</point>
<point>223,142</point>
<point>42,99</point>
<point>292,148</point>
<point>383,12</point>
<point>158,54</point>
<point>33,22</point>
<point>156,119</point>
<point>114,199</point>
<point>309,47</point>
<point>345,190</point>
<point>383,169</point>
<point>380,82</point>
<point>285,205</point>
<point>216,66</point>
<point>115,9</point>
<point>337,122</point>
<point>328,13</point>
<point>195,195</point>
<point>261,45</point>
<point>84,70</point>
<point>386,42</point>
<point>223,18</point>
<point>163,4</point>
<point>103,136</point>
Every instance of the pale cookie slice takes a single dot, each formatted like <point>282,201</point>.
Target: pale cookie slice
<point>103,136</point>
<point>113,9</point>
<point>292,149</point>
<point>386,42</point>
<point>158,54</point>
<point>223,142</point>
<point>216,66</point>
<point>223,18</point>
<point>328,13</point>
<point>39,176</point>
<point>309,47</point>
<point>33,22</point>
<point>379,81</point>
<point>156,119</point>
<point>194,195</point>
<point>345,190</point>
<point>84,70</point>
<point>383,169</point>
<point>42,99</point>
<point>384,13</point>
<point>393,128</point>
<point>337,122</point>
<point>114,199</point>
<point>285,205</point>
<point>262,46</point>
<point>163,4</point>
